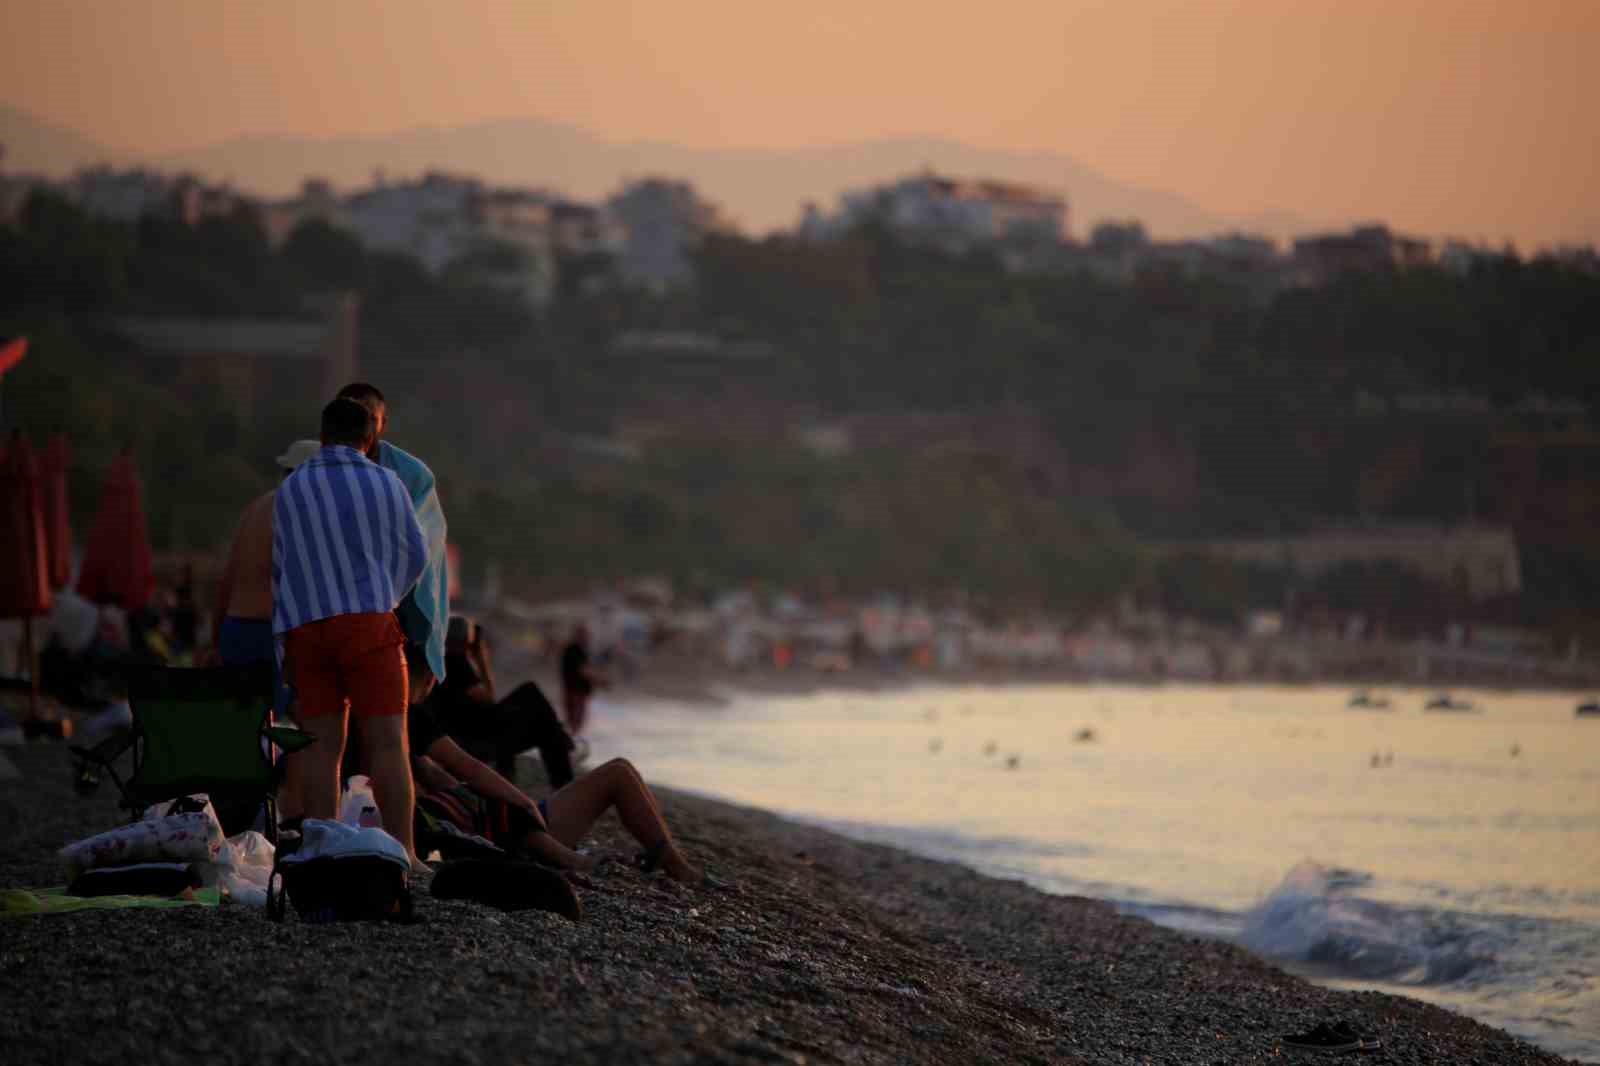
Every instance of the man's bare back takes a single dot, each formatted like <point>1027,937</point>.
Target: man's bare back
<point>247,582</point>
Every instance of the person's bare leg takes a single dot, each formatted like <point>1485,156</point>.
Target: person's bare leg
<point>311,776</point>
<point>572,710</point>
<point>388,755</point>
<point>575,808</point>
<point>650,797</point>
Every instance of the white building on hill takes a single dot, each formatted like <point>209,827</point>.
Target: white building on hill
<point>662,221</point>
<point>954,214</point>
<point>428,218</point>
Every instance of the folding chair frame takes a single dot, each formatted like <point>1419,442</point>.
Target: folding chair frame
<point>195,694</point>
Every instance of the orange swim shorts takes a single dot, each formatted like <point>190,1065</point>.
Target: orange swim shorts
<point>353,662</point>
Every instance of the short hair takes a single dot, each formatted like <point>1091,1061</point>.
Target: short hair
<point>346,422</point>
<point>360,391</point>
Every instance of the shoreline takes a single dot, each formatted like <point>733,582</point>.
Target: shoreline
<point>826,950</point>
<point>691,681</point>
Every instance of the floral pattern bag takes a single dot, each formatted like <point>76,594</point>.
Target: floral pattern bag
<point>192,837</point>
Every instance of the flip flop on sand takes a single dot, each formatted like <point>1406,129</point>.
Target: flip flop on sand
<point>1335,1039</point>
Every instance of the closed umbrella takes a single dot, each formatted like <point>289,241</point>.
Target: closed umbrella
<point>12,349</point>
<point>24,581</point>
<point>117,564</point>
<point>54,509</point>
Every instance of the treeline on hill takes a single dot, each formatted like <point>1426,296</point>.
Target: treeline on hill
<point>1007,437</point>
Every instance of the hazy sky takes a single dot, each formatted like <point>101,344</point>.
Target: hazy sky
<point>1475,117</point>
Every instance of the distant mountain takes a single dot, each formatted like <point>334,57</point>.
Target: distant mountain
<point>34,146</point>
<point>763,189</point>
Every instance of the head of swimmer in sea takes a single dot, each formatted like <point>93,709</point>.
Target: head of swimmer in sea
<point>370,397</point>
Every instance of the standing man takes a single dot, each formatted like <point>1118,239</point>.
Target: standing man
<point>346,548</point>
<point>578,679</point>
<point>425,611</point>
<point>241,621</point>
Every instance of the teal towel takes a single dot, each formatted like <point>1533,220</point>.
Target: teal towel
<point>425,610</point>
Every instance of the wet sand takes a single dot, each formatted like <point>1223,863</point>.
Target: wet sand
<point>823,951</point>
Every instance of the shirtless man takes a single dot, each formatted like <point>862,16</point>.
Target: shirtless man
<point>241,625</point>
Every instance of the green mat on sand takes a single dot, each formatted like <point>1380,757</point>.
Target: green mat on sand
<point>16,902</point>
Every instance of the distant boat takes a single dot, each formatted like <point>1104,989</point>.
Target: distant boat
<point>1589,710</point>
<point>1366,701</point>
<point>1445,702</point>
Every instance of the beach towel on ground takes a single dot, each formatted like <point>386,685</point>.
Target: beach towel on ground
<point>20,902</point>
<point>425,610</point>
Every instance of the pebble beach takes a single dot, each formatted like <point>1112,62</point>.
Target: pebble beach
<point>819,950</point>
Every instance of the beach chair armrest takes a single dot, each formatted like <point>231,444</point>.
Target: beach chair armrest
<point>106,751</point>
<point>288,738</point>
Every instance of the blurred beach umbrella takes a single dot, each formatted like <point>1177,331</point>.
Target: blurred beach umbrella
<point>12,352</point>
<point>24,578</point>
<point>54,509</point>
<point>12,349</point>
<point>24,554</point>
<point>117,564</point>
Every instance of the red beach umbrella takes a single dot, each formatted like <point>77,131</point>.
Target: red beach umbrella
<point>53,507</point>
<point>24,580</point>
<point>24,568</point>
<point>117,563</point>
<point>12,349</point>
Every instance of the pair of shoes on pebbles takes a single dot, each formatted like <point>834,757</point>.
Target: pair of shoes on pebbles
<point>1337,1038</point>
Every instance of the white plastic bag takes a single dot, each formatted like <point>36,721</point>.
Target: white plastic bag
<point>249,867</point>
<point>357,798</point>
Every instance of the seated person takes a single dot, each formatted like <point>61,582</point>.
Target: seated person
<point>496,731</point>
<point>548,830</point>
<point>86,651</point>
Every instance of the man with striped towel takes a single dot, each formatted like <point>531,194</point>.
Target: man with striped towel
<point>346,547</point>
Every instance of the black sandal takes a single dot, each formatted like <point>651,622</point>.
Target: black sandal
<point>1337,1038</point>
<point>649,860</point>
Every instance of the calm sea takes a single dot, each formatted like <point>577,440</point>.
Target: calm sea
<point>1449,856</point>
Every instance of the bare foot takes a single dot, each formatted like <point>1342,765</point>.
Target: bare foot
<point>679,868</point>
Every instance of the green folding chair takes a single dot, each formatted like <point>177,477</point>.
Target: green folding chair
<point>202,730</point>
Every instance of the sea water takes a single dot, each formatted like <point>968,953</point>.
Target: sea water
<point>1449,856</point>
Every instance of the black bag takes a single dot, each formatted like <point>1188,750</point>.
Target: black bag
<point>508,885</point>
<point>141,879</point>
<point>355,888</point>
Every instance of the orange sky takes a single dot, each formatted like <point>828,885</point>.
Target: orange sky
<point>1472,117</point>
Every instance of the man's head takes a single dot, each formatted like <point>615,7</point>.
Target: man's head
<point>347,422</point>
<point>370,397</point>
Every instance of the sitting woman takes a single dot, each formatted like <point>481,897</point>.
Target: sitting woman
<point>454,787</point>
<point>496,730</point>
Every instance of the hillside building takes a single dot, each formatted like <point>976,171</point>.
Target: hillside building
<point>268,368</point>
<point>662,221</point>
<point>1481,560</point>
<point>1322,257</point>
<point>950,213</point>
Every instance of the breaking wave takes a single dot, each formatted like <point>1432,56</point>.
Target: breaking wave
<point>1314,918</point>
